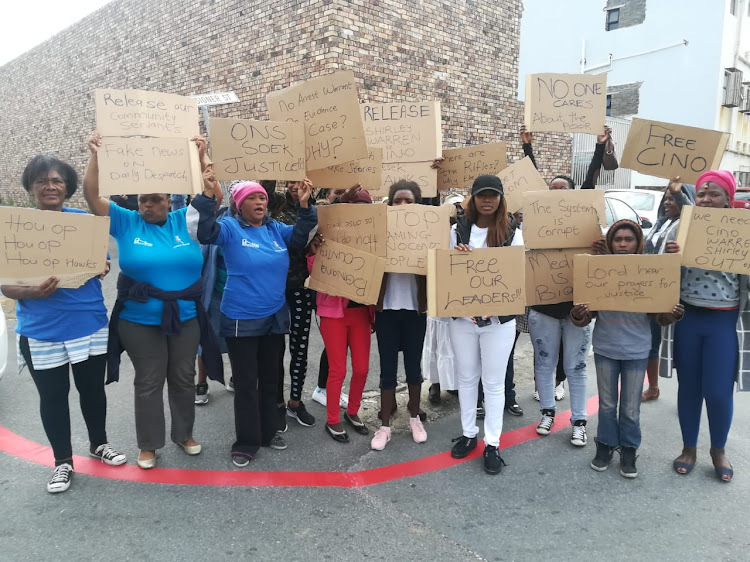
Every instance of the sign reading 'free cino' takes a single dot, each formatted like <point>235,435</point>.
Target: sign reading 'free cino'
<point>566,103</point>
<point>562,218</point>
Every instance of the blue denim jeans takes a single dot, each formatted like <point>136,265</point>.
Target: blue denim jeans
<point>628,374</point>
<point>546,333</point>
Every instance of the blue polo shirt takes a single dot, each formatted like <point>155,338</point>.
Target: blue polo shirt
<point>161,255</point>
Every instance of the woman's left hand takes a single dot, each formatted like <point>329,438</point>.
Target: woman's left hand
<point>303,193</point>
<point>315,244</point>
<point>599,247</point>
<point>462,248</point>
<point>201,144</point>
<point>672,248</point>
<point>106,270</point>
<point>437,163</point>
<point>209,181</point>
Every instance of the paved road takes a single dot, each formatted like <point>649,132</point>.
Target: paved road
<point>547,503</point>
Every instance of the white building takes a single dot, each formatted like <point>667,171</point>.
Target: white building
<point>685,62</point>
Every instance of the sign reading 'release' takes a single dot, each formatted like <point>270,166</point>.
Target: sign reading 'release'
<point>562,218</point>
<point>462,165</point>
<point>422,173</point>
<point>406,131</point>
<point>367,172</point>
<point>37,245</point>
<point>262,150</point>
<point>329,109</point>
<point>412,231</point>
<point>549,275</point>
<point>566,103</point>
<point>666,150</point>
<point>343,271</point>
<point>150,114</point>
<point>628,283</point>
<point>148,165</point>
<point>716,239</point>
<point>356,225</point>
<point>517,179</point>
<point>483,282</point>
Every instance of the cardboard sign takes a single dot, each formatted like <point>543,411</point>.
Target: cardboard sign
<point>329,109</point>
<point>368,172</point>
<point>406,131</point>
<point>420,172</point>
<point>549,275</point>
<point>412,231</point>
<point>342,271</point>
<point>666,150</point>
<point>40,244</point>
<point>566,103</point>
<point>562,218</point>
<point>150,114</point>
<point>259,150</point>
<point>627,283</point>
<point>483,282</point>
<point>461,166</point>
<point>148,165</point>
<point>518,178</point>
<point>716,239</point>
<point>356,225</point>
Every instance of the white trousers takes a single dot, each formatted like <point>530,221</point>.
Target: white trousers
<point>482,352</point>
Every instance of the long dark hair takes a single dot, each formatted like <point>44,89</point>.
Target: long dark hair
<point>499,229</point>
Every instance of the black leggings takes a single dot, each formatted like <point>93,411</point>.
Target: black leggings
<point>301,304</point>
<point>54,385</point>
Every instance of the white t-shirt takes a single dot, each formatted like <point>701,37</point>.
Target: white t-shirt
<point>478,237</point>
<point>400,292</point>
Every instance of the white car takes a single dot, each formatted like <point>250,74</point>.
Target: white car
<point>644,201</point>
<point>3,343</point>
<point>617,209</point>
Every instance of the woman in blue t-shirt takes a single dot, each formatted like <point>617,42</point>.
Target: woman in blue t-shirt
<point>156,317</point>
<point>60,329</point>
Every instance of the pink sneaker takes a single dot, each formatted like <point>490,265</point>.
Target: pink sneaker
<point>417,430</point>
<point>381,438</point>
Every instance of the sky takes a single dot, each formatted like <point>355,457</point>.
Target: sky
<point>27,23</point>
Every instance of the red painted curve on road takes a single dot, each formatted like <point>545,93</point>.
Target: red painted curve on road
<point>23,448</point>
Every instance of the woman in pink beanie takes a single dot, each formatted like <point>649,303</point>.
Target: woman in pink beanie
<point>705,345</point>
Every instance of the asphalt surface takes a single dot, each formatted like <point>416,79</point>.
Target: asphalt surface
<point>546,504</point>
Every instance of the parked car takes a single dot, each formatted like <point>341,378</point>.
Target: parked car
<point>742,198</point>
<point>617,209</point>
<point>3,343</point>
<point>644,201</point>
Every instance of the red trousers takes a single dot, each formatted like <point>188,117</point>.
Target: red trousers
<point>339,334</point>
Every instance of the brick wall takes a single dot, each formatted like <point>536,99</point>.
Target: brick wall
<point>461,52</point>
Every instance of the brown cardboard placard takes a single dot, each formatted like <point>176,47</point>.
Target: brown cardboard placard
<point>359,226</point>
<point>368,172</point>
<point>343,271</point>
<point>518,178</point>
<point>666,150</point>
<point>562,218</point>
<point>258,150</point>
<point>150,114</point>
<point>420,172</point>
<point>328,107</point>
<point>406,131</point>
<point>566,103</point>
<point>627,283</point>
<point>716,239</point>
<point>412,231</point>
<point>40,244</point>
<point>549,275</point>
<point>483,282</point>
<point>148,165</point>
<point>461,166</point>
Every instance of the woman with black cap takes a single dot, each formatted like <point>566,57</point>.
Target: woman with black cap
<point>482,345</point>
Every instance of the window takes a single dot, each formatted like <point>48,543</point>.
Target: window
<point>733,7</point>
<point>745,105</point>
<point>613,19</point>
<point>732,88</point>
<point>609,105</point>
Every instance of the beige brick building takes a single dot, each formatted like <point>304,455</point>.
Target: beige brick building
<point>463,53</point>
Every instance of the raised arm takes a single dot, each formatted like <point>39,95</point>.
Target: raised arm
<point>97,204</point>
<point>307,218</point>
<point>592,174</point>
<point>526,139</point>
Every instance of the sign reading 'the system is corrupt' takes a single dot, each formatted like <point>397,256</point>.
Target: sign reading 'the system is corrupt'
<point>561,218</point>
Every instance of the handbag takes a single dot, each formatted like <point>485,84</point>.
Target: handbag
<point>609,161</point>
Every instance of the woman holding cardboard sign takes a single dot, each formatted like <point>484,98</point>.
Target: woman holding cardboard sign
<point>482,345</point>
<point>61,329</point>
<point>158,317</point>
<point>707,343</point>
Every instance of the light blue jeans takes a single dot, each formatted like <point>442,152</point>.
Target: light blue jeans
<point>545,333</point>
<point>628,374</point>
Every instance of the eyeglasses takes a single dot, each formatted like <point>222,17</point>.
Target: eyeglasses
<point>55,182</point>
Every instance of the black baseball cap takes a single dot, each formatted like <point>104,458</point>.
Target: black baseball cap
<point>487,181</point>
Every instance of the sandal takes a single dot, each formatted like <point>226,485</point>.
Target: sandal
<point>338,436</point>
<point>724,474</point>
<point>683,468</point>
<point>358,426</point>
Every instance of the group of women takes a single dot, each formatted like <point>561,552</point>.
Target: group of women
<point>160,320</point>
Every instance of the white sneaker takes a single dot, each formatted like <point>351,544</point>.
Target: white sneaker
<point>60,480</point>
<point>344,400</point>
<point>319,395</point>
<point>579,434</point>
<point>536,395</point>
<point>108,455</point>
<point>560,391</point>
<point>230,385</point>
<point>545,425</point>
<point>381,438</point>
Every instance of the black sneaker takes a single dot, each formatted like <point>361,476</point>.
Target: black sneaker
<point>603,456</point>
<point>277,442</point>
<point>513,408</point>
<point>301,414</point>
<point>463,446</point>
<point>282,427</point>
<point>545,425</point>
<point>493,463</point>
<point>240,461</point>
<point>433,394</point>
<point>627,462</point>
<point>201,393</point>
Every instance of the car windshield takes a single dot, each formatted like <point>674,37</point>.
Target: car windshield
<point>743,195</point>
<point>639,201</point>
<point>617,210</point>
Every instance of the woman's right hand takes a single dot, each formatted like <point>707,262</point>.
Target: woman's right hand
<point>95,141</point>
<point>675,185</point>
<point>526,137</point>
<point>599,247</point>
<point>315,244</point>
<point>209,181</point>
<point>462,248</point>
<point>672,248</point>
<point>350,195</point>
